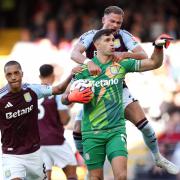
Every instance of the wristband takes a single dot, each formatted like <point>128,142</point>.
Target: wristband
<point>86,61</point>
<point>157,46</point>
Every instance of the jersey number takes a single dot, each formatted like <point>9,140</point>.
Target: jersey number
<point>41,109</point>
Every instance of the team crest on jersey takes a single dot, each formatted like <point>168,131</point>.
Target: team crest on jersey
<point>27,97</point>
<point>114,70</point>
<point>117,43</point>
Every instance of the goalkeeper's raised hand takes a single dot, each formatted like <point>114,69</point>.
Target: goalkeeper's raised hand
<point>163,40</point>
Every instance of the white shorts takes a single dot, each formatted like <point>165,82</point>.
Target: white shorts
<point>58,155</point>
<point>79,115</point>
<point>127,99</point>
<point>26,166</point>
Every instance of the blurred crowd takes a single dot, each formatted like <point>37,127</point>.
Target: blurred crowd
<point>169,142</point>
<point>60,20</point>
<point>163,108</point>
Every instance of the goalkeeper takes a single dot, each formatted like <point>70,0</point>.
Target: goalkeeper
<point>103,125</point>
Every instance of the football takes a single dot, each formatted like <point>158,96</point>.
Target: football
<point>82,84</point>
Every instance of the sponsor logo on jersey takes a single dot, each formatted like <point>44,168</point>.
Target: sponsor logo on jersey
<point>8,105</point>
<point>27,97</point>
<point>104,83</point>
<point>117,43</point>
<point>19,112</point>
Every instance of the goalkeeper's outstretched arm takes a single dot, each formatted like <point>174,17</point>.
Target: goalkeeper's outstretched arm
<point>156,59</point>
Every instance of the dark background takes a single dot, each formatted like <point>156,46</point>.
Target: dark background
<point>66,20</point>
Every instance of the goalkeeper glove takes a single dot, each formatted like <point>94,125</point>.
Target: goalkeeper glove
<point>80,96</point>
<point>163,40</point>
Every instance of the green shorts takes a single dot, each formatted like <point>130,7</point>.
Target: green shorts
<point>98,144</point>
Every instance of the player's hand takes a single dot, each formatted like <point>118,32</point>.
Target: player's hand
<point>93,68</point>
<point>84,96</point>
<point>119,56</point>
<point>76,69</point>
<point>163,40</point>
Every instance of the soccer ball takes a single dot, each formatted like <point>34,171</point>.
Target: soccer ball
<point>82,84</point>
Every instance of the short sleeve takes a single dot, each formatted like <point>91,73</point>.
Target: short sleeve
<point>83,74</point>
<point>131,65</point>
<point>41,90</point>
<point>87,38</point>
<point>129,40</point>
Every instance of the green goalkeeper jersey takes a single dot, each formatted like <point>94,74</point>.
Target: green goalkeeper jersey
<point>105,110</point>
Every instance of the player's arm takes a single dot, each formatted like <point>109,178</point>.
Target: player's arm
<point>137,53</point>
<point>78,57</point>
<point>47,90</point>
<point>60,88</point>
<point>136,50</point>
<point>152,63</point>
<point>77,53</point>
<point>64,116</point>
<point>157,56</point>
<point>63,111</point>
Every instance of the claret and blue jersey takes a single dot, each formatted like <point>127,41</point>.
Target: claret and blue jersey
<point>124,41</point>
<point>19,118</point>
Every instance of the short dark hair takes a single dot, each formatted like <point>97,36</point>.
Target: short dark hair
<point>46,70</point>
<point>11,63</point>
<point>102,32</point>
<point>113,9</point>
